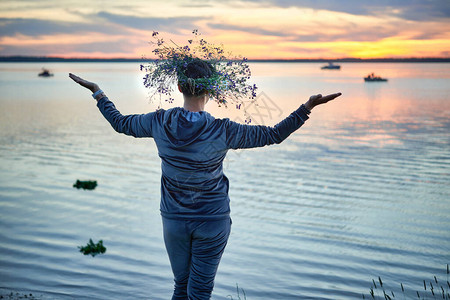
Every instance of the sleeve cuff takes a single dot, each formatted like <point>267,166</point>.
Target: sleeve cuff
<point>304,109</point>
<point>96,93</point>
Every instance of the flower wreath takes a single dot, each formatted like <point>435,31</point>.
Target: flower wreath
<point>228,83</point>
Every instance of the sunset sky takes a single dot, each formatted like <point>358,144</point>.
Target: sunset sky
<point>268,29</point>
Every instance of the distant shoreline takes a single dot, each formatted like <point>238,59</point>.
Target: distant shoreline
<point>142,60</point>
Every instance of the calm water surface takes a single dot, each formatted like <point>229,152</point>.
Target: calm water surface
<point>361,191</point>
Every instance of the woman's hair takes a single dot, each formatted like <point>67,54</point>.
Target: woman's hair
<point>195,69</point>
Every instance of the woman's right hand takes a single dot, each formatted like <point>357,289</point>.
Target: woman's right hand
<point>93,87</point>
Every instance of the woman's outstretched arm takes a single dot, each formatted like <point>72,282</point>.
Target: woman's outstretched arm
<point>241,136</point>
<point>134,125</point>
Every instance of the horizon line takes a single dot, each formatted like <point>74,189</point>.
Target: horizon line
<point>29,58</point>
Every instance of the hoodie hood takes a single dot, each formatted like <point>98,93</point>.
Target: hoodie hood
<point>183,127</point>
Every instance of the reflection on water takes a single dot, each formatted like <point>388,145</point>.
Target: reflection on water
<point>360,191</point>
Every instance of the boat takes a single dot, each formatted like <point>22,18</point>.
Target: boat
<point>331,66</point>
<point>45,73</point>
<point>373,78</point>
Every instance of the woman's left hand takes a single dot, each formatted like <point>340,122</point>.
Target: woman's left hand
<point>315,100</point>
<point>93,87</point>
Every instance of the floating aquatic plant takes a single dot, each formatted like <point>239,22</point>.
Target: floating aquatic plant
<point>228,83</point>
<point>93,249</point>
<point>85,185</point>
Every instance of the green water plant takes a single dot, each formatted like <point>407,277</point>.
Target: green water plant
<point>93,249</point>
<point>85,185</point>
<point>17,295</point>
<point>432,289</point>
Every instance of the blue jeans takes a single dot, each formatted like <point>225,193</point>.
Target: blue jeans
<point>195,249</point>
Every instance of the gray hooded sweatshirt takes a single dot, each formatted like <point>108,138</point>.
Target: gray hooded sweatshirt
<point>192,147</point>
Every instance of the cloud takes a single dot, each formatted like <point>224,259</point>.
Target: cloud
<point>106,47</point>
<point>103,47</point>
<point>36,27</point>
<point>426,10</point>
<point>173,24</point>
<point>248,29</point>
<point>416,10</point>
<point>114,25</point>
<point>432,33</point>
<point>314,34</point>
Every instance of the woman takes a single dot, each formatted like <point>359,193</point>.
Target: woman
<point>192,145</point>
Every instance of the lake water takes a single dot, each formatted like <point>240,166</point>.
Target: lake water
<point>361,190</point>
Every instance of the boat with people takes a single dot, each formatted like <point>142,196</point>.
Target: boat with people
<point>45,73</point>
<point>373,78</point>
<point>331,66</point>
